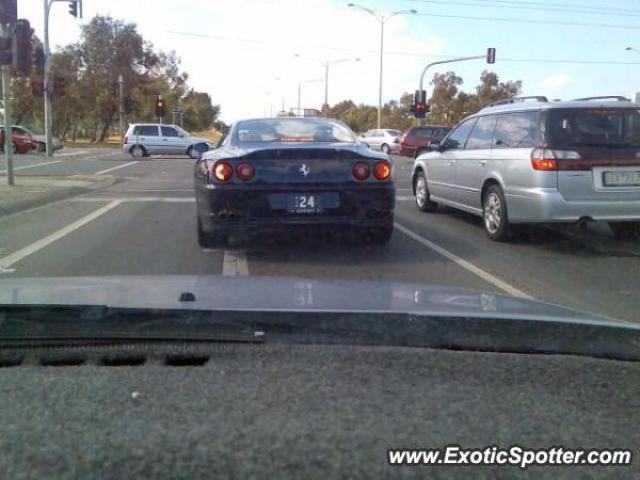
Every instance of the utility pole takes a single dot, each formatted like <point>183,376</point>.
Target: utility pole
<point>7,31</point>
<point>48,120</point>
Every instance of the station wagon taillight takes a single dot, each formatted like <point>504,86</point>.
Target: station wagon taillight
<point>245,171</point>
<point>361,171</point>
<point>222,171</point>
<point>382,170</point>
<point>547,159</point>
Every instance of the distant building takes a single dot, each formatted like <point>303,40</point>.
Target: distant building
<point>637,97</point>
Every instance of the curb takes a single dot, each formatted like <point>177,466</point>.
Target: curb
<point>56,196</point>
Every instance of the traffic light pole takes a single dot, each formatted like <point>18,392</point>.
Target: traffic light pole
<point>487,57</point>
<point>48,112</point>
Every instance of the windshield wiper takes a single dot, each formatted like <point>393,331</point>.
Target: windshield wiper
<point>100,323</point>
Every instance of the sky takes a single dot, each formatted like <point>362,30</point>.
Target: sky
<point>243,52</point>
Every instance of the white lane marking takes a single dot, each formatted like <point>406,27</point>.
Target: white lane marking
<point>135,199</point>
<point>21,254</point>
<point>402,198</point>
<point>234,264</point>
<point>406,190</point>
<point>32,166</point>
<point>102,172</point>
<point>511,290</point>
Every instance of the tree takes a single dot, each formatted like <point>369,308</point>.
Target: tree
<point>449,105</point>
<point>199,112</point>
<point>491,89</point>
<point>445,89</point>
<point>108,48</point>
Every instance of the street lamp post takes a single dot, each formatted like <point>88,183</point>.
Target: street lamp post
<point>383,20</point>
<point>326,64</point>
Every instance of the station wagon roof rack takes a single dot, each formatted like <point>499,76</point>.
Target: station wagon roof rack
<point>606,97</point>
<point>506,101</point>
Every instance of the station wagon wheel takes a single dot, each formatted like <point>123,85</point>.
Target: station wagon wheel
<point>494,214</point>
<point>192,153</point>
<point>423,198</point>
<point>138,151</point>
<point>385,148</point>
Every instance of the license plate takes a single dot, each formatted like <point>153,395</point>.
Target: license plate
<point>623,178</point>
<point>304,203</point>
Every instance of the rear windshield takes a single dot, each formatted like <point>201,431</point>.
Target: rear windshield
<point>294,131</point>
<point>597,127</point>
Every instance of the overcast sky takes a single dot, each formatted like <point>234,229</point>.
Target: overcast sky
<point>243,51</point>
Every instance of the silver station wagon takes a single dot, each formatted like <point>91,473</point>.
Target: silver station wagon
<point>529,160</point>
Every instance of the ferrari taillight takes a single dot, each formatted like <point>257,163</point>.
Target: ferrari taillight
<point>361,171</point>
<point>382,170</point>
<point>222,171</point>
<point>245,171</point>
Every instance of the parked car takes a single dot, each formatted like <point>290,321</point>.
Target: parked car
<point>290,173</point>
<point>40,140</point>
<point>23,141</point>
<point>416,140</point>
<point>142,140</point>
<point>529,160</point>
<point>383,139</point>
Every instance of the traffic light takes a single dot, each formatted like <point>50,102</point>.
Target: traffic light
<point>420,107</point>
<point>23,40</point>
<point>161,108</point>
<point>491,55</point>
<point>73,8</point>
<point>38,60</point>
<point>37,87</point>
<point>59,87</point>
<point>8,11</point>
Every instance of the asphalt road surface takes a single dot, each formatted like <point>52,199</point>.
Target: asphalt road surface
<point>145,224</point>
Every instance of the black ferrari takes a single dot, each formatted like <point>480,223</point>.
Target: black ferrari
<point>290,173</point>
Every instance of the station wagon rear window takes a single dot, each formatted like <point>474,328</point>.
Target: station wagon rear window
<point>291,130</point>
<point>597,127</point>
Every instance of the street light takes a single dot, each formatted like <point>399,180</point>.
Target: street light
<point>300,90</point>
<point>632,49</point>
<point>326,64</point>
<point>382,19</point>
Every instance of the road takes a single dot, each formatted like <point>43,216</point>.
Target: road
<point>145,224</point>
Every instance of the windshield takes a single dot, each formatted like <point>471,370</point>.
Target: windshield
<point>480,173</point>
<point>594,127</point>
<point>293,130</point>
